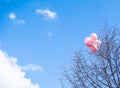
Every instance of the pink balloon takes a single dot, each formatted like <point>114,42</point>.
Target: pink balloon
<point>93,49</point>
<point>88,42</point>
<point>87,39</point>
<point>92,42</point>
<point>97,43</point>
<point>93,36</point>
<point>95,46</point>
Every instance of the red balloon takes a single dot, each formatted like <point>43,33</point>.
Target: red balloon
<point>89,44</point>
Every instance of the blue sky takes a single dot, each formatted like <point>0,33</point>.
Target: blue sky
<point>47,32</point>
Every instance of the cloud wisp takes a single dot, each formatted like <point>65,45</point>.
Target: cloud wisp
<point>21,21</point>
<point>13,17</point>
<point>47,13</point>
<point>11,75</point>
<point>32,67</point>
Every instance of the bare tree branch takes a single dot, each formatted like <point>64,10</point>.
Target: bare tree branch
<point>101,70</point>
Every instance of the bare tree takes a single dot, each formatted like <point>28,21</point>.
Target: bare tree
<point>99,70</point>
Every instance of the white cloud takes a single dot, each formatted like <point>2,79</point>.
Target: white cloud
<point>11,76</point>
<point>12,16</point>
<point>32,67</point>
<point>47,13</point>
<point>21,21</point>
<point>49,34</point>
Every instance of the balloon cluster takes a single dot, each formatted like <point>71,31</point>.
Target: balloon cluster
<point>92,42</point>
